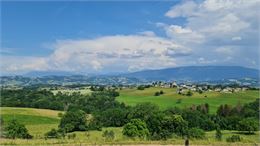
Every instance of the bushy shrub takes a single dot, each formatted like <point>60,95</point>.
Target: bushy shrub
<point>161,92</point>
<point>200,91</point>
<point>157,94</point>
<point>72,136</point>
<point>189,93</point>
<point>15,129</point>
<point>108,135</point>
<point>60,115</point>
<point>234,138</point>
<point>53,133</point>
<point>196,133</point>
<point>140,88</point>
<point>218,134</point>
<point>136,128</point>
<point>178,101</point>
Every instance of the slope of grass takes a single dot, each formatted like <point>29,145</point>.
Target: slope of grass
<point>30,119</point>
<point>170,98</point>
<point>30,111</point>
<point>37,121</point>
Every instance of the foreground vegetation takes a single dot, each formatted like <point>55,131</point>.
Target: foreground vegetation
<point>38,129</point>
<point>115,122</point>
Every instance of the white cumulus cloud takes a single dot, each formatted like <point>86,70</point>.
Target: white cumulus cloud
<point>217,26</point>
<point>119,52</point>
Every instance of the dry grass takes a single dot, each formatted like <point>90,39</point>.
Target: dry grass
<point>30,111</point>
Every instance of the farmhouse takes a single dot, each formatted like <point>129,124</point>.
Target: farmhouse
<point>227,90</point>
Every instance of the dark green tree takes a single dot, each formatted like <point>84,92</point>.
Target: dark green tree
<point>232,122</point>
<point>14,129</point>
<point>114,117</point>
<point>162,126</point>
<point>143,111</point>
<point>136,128</point>
<point>198,119</point>
<point>175,124</point>
<point>249,124</point>
<point>73,121</point>
<point>251,109</point>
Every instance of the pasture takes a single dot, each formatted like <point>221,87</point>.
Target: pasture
<point>171,99</point>
<point>39,121</point>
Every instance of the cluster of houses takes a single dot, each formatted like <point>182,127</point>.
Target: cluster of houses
<point>183,88</point>
<point>164,84</point>
<point>230,89</point>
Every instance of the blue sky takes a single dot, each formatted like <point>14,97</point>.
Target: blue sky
<point>103,37</point>
<point>27,26</point>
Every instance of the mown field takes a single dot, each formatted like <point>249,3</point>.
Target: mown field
<point>39,121</point>
<point>170,98</point>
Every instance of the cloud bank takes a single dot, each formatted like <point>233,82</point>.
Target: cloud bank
<point>103,54</point>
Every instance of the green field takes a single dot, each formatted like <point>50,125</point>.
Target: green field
<point>170,97</point>
<point>39,121</point>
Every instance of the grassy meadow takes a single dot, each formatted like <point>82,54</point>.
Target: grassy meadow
<point>39,121</point>
<point>170,97</point>
<point>132,96</point>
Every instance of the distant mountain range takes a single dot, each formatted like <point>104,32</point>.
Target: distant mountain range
<point>197,73</point>
<point>179,74</point>
<point>48,73</point>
